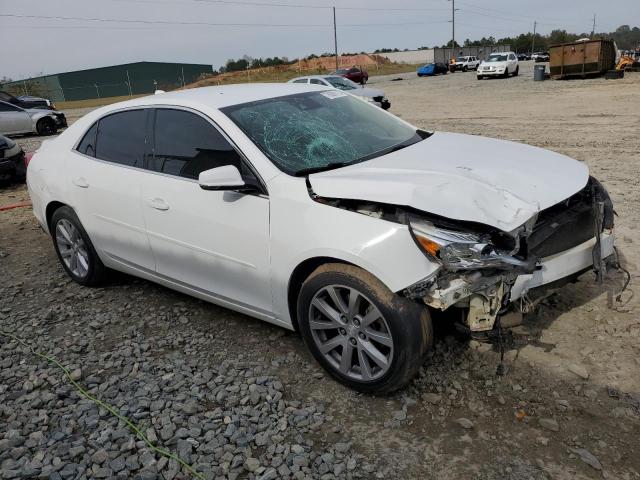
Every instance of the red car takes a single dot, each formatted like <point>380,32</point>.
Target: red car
<point>354,74</point>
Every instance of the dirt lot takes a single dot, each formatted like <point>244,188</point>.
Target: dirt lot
<point>242,399</point>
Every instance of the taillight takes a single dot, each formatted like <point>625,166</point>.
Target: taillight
<point>27,158</point>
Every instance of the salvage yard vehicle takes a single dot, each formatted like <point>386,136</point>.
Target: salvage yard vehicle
<point>12,166</point>
<point>467,63</point>
<point>15,120</point>
<point>373,95</point>
<point>253,197</point>
<point>355,74</point>
<point>500,64</point>
<point>29,102</point>
<point>431,69</point>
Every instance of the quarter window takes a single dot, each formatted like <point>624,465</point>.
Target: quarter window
<point>186,145</point>
<point>121,138</point>
<point>317,81</point>
<point>88,143</point>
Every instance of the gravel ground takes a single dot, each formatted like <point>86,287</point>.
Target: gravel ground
<point>239,398</point>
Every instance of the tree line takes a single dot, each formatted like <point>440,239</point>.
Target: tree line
<point>626,37</point>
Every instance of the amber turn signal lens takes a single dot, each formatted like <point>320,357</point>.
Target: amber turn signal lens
<point>429,246</point>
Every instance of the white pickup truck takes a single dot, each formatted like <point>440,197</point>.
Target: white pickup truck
<point>467,63</point>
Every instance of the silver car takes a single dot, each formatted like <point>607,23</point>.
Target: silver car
<point>16,120</point>
<point>373,95</point>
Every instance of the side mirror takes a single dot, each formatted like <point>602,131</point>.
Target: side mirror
<point>222,178</point>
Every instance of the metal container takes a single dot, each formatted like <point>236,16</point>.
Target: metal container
<point>539,72</point>
<point>582,59</point>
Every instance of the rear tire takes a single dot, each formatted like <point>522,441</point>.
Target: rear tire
<point>46,126</point>
<point>75,251</point>
<point>362,334</point>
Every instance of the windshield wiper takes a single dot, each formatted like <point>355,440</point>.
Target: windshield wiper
<point>323,168</point>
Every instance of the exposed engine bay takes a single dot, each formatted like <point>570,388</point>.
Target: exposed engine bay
<point>488,273</point>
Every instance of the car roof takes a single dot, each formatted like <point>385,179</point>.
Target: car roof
<point>220,96</point>
<point>316,76</point>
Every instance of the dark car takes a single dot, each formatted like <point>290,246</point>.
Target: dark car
<point>28,102</point>
<point>354,74</point>
<point>523,56</point>
<point>12,164</point>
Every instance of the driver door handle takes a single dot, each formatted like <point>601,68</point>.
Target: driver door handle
<point>80,182</point>
<point>158,204</point>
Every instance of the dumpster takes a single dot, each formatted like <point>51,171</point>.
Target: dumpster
<point>582,58</point>
<point>539,72</point>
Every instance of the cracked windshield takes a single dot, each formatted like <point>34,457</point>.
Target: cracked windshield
<point>318,130</point>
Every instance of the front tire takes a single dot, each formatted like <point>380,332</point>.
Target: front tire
<point>362,334</point>
<point>480,77</point>
<point>75,251</point>
<point>515,74</point>
<point>46,126</point>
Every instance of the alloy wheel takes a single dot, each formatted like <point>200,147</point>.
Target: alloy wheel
<point>351,333</point>
<point>72,248</point>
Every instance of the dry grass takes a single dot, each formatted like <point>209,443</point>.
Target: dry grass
<point>264,75</point>
<point>94,102</point>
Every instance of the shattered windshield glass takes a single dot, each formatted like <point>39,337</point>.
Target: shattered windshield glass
<point>320,130</point>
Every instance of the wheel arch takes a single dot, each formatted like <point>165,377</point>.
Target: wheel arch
<point>50,210</point>
<point>297,278</point>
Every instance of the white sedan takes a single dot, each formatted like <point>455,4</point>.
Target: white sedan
<point>308,208</point>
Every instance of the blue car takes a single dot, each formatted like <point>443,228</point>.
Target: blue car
<point>432,69</point>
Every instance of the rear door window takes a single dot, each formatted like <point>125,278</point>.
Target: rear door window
<point>121,138</point>
<point>302,80</point>
<point>88,144</point>
<point>185,145</point>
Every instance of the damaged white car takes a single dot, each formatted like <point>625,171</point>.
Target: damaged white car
<point>308,208</point>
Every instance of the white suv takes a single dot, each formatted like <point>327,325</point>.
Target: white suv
<point>499,64</point>
<point>467,63</point>
<point>308,208</point>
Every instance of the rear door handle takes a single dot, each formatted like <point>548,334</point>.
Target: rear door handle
<point>80,182</point>
<point>158,204</point>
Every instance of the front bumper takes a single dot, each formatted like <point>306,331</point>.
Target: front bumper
<point>61,120</point>
<point>562,265</point>
<point>489,73</point>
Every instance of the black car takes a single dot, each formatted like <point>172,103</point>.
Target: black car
<point>12,166</point>
<point>26,101</point>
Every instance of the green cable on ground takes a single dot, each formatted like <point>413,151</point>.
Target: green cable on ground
<point>109,408</point>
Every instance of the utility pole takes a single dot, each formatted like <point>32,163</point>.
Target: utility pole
<point>533,39</point>
<point>335,36</point>
<point>593,30</point>
<point>453,27</point>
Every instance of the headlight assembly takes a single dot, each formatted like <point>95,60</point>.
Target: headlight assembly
<point>462,250</point>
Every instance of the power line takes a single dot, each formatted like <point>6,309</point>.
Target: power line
<point>284,5</point>
<point>169,22</point>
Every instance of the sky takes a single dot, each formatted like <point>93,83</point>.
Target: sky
<point>212,31</point>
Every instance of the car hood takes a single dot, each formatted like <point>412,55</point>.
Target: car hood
<point>461,177</point>
<point>367,92</point>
